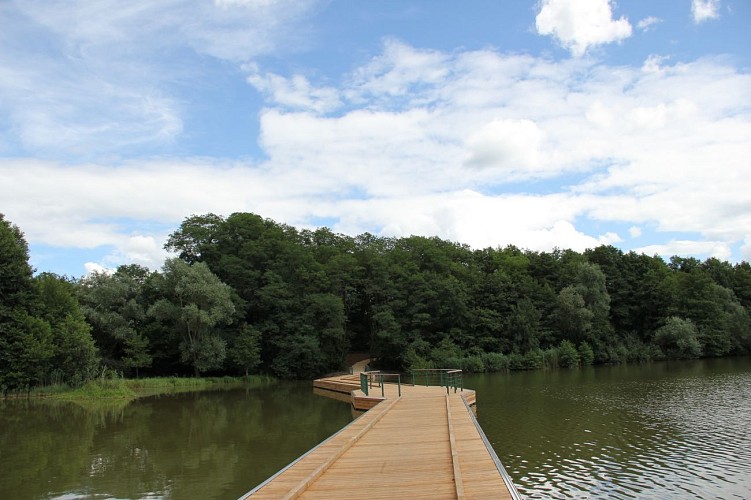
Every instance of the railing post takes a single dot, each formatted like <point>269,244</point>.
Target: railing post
<point>364,383</point>
<point>383,395</point>
<point>399,384</point>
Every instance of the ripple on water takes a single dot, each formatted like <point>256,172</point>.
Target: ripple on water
<point>671,437</point>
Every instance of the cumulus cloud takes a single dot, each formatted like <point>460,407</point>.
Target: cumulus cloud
<point>704,10</point>
<point>510,145</point>
<point>662,147</point>
<point>581,24</point>
<point>93,267</point>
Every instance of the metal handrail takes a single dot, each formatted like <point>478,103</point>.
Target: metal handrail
<point>446,377</point>
<point>367,379</point>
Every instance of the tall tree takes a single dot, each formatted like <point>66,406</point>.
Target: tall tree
<point>25,340</point>
<point>246,350</point>
<point>678,338</point>
<point>196,233</point>
<point>194,303</point>
<point>115,306</point>
<point>75,357</point>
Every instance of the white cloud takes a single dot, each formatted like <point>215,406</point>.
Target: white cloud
<point>609,238</point>
<point>89,78</point>
<point>664,149</point>
<point>400,70</point>
<point>648,23</point>
<point>145,250</point>
<point>652,64</point>
<point>717,249</point>
<point>93,267</point>
<point>293,93</point>
<point>581,24</point>
<point>470,217</point>
<point>635,231</point>
<point>704,10</point>
<point>511,145</point>
<point>746,249</point>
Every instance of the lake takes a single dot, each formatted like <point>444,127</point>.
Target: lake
<point>664,430</point>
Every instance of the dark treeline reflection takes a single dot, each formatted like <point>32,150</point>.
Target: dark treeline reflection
<point>193,445</point>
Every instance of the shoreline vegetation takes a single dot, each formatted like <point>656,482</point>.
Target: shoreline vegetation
<point>249,296</point>
<point>131,389</point>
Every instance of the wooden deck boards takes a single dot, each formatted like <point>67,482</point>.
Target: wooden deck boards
<point>401,448</point>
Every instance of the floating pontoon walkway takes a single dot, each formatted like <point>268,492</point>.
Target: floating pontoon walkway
<point>415,442</point>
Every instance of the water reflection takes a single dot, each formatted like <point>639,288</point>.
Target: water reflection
<point>677,430</point>
<point>215,444</point>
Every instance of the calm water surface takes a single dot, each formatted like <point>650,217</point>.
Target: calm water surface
<point>678,430</point>
<point>665,430</point>
<point>199,445</point>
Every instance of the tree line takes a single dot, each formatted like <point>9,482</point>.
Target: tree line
<point>249,295</point>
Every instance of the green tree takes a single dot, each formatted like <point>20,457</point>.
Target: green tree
<point>568,356</point>
<point>25,351</point>
<point>678,338</point>
<point>246,350</point>
<point>16,289</point>
<point>195,235</point>
<point>525,326</point>
<point>741,284</point>
<point>136,352</point>
<point>574,318</point>
<point>586,354</point>
<point>389,343</point>
<point>325,314</point>
<point>115,306</point>
<point>693,295</point>
<point>25,340</point>
<point>75,359</point>
<point>194,303</point>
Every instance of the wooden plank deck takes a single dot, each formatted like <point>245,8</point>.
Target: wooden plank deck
<point>424,444</point>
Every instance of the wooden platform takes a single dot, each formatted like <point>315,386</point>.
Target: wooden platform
<point>424,444</point>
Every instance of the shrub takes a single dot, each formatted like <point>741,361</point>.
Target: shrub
<point>533,359</point>
<point>495,362</point>
<point>473,364</point>
<point>569,356</point>
<point>516,361</point>
<point>550,358</point>
<point>586,354</point>
<point>678,338</point>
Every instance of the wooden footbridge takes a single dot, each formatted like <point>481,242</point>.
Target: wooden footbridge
<point>415,441</point>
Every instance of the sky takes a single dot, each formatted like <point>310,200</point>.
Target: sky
<point>540,124</point>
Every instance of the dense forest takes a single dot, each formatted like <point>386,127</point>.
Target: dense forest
<point>249,295</point>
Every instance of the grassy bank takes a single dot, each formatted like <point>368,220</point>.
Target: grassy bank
<point>136,388</point>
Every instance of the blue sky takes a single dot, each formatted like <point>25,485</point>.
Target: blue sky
<point>541,124</point>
